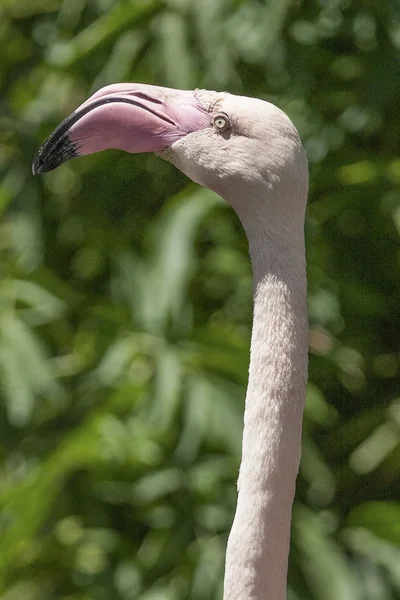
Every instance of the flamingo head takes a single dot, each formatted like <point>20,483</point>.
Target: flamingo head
<point>234,145</point>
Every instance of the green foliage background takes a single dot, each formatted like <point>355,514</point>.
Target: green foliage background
<point>125,305</point>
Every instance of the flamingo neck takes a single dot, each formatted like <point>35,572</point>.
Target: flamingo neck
<point>258,546</point>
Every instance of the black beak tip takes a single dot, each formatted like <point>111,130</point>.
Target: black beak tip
<point>53,153</point>
<point>36,166</point>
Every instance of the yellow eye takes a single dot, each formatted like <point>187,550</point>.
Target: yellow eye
<point>221,122</point>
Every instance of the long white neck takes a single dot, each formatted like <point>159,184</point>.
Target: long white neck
<point>258,546</point>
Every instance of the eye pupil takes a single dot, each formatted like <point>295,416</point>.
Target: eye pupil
<point>221,122</point>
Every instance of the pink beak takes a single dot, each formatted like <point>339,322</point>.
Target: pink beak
<point>129,116</point>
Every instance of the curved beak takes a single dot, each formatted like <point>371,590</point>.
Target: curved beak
<point>131,117</point>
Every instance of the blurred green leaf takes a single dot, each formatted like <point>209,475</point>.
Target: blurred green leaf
<point>103,31</point>
<point>382,518</point>
<point>126,305</point>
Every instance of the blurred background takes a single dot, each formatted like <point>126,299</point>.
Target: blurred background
<point>125,304</point>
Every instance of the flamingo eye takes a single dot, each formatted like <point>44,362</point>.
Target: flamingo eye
<point>221,122</point>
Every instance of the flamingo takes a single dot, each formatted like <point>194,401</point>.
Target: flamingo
<point>249,152</point>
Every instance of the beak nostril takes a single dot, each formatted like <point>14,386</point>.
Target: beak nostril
<point>145,97</point>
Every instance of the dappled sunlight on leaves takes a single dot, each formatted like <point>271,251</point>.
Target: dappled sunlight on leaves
<point>126,305</point>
